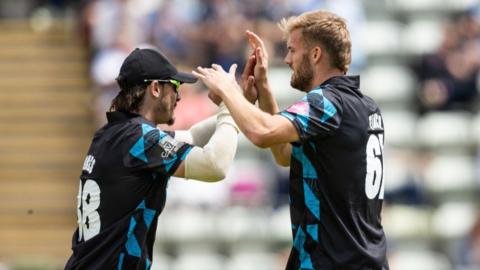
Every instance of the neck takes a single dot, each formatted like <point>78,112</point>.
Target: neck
<point>147,114</point>
<point>322,75</point>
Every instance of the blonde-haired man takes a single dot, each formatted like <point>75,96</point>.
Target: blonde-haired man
<point>332,139</point>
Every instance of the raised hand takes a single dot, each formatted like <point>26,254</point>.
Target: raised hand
<point>217,80</point>
<point>248,80</point>
<point>261,57</point>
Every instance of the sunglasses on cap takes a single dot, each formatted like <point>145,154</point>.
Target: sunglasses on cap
<point>175,83</point>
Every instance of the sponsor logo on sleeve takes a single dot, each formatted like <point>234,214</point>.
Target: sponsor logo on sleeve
<point>299,108</point>
<point>169,146</point>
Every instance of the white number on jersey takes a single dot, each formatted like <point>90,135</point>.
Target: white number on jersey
<point>88,201</point>
<point>374,183</point>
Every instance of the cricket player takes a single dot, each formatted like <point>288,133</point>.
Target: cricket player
<point>124,178</point>
<point>332,139</point>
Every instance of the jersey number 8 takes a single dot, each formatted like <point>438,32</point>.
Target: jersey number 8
<point>88,201</point>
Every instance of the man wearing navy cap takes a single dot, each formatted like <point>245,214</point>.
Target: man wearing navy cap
<point>126,170</point>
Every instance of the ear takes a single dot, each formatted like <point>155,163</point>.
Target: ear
<point>154,89</point>
<point>316,54</point>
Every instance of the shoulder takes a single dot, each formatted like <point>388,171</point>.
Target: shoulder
<point>138,131</point>
<point>371,104</point>
<point>327,92</point>
<point>325,98</point>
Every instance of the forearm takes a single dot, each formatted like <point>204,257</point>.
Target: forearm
<point>211,162</point>
<point>253,122</point>
<point>261,128</point>
<point>198,134</point>
<point>266,100</point>
<point>267,103</point>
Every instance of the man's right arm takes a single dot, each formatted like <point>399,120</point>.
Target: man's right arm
<point>267,103</point>
<point>257,67</point>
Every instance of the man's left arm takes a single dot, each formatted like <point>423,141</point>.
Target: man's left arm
<point>211,162</point>
<point>199,133</point>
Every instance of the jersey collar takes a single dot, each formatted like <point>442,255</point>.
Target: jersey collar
<point>344,82</point>
<point>113,117</point>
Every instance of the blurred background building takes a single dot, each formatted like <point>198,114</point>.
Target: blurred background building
<point>419,60</point>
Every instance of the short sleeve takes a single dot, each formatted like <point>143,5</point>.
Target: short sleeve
<point>315,115</point>
<point>155,150</point>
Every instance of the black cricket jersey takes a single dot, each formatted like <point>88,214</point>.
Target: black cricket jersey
<point>336,179</point>
<point>122,191</point>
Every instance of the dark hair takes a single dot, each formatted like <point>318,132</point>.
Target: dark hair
<point>129,99</point>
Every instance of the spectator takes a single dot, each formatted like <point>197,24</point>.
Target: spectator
<point>448,76</point>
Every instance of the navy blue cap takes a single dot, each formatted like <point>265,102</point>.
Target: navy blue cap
<point>150,64</point>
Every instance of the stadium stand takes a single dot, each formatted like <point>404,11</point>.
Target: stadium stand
<point>45,127</point>
<point>431,214</point>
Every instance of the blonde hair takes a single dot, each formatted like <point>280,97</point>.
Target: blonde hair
<point>325,29</point>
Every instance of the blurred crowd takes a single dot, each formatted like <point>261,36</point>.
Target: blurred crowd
<point>200,32</point>
<point>448,76</point>
<point>191,33</point>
